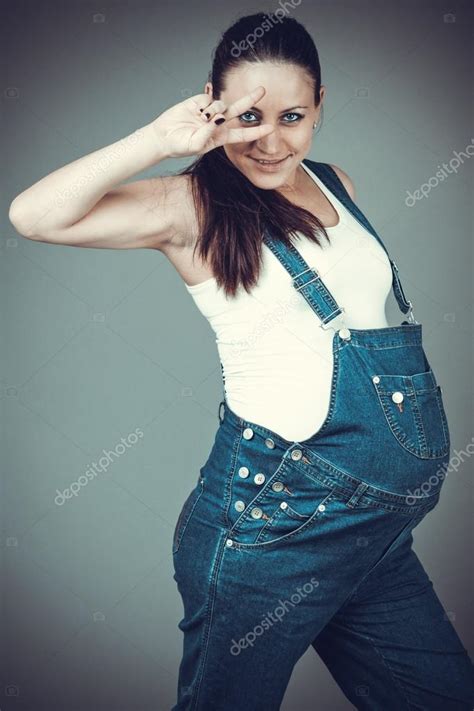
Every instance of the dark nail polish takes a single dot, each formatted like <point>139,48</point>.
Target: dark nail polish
<point>208,115</point>
<point>219,121</point>
<point>201,110</point>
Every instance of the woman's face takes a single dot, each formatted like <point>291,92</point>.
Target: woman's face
<point>288,105</point>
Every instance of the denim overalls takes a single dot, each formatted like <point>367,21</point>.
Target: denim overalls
<point>281,545</point>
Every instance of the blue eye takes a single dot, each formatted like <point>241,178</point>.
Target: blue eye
<point>246,113</point>
<point>298,117</point>
<point>291,113</point>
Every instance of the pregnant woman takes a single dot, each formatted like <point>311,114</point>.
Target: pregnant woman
<point>332,441</point>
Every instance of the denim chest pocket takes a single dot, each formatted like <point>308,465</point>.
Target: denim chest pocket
<point>186,513</point>
<point>414,410</point>
<point>290,501</point>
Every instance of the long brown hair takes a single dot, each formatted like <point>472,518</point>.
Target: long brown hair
<point>231,211</point>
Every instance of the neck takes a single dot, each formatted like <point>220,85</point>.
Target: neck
<point>294,184</point>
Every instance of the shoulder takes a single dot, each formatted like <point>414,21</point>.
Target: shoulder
<point>345,180</point>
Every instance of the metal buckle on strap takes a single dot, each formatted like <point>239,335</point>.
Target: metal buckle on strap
<point>309,269</point>
<point>411,317</point>
<point>334,322</point>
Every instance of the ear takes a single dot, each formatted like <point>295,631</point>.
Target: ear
<point>322,91</point>
<point>208,88</point>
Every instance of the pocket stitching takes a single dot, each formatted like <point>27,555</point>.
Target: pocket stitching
<point>186,513</point>
<point>281,468</point>
<point>304,525</point>
<point>444,419</point>
<point>421,451</point>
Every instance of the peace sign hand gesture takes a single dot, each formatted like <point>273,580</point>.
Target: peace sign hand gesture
<point>184,129</point>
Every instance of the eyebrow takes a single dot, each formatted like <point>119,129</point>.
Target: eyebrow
<point>254,108</point>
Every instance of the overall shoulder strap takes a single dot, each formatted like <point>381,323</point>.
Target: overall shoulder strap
<point>331,180</point>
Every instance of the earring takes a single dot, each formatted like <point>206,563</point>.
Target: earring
<point>319,122</point>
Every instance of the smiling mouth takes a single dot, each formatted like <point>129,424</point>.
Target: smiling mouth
<point>269,162</point>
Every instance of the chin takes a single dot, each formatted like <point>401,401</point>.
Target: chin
<point>267,182</point>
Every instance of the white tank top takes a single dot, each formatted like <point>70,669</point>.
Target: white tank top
<point>277,362</point>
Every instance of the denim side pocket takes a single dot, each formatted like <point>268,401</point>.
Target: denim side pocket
<point>286,503</point>
<point>186,513</point>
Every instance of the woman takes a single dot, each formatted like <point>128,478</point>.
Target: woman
<point>333,440</point>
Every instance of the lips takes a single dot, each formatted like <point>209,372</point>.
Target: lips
<point>268,162</point>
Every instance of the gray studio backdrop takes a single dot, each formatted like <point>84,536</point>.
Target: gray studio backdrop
<point>104,350</point>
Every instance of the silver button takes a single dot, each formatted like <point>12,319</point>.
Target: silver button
<point>244,472</point>
<point>397,397</point>
<point>248,433</point>
<point>277,486</point>
<point>296,454</point>
<point>344,333</point>
<point>239,505</point>
<point>283,505</point>
<point>256,513</point>
<point>376,379</point>
<point>259,478</point>
<point>270,443</point>
<point>321,507</point>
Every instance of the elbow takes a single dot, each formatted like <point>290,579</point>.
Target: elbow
<point>19,219</point>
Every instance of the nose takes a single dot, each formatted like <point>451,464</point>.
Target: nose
<point>270,143</point>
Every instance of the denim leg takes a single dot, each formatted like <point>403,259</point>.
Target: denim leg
<point>392,646</point>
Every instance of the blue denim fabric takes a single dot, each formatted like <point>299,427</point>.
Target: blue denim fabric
<point>281,545</point>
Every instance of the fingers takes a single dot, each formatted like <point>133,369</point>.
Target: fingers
<point>199,101</point>
<point>215,112</point>
<point>215,107</point>
<point>245,102</point>
<point>204,105</point>
<point>208,108</point>
<point>242,135</point>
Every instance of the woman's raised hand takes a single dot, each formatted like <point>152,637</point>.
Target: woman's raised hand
<point>184,129</point>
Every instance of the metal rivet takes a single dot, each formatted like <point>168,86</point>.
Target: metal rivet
<point>283,505</point>
<point>321,507</point>
<point>345,333</point>
<point>376,379</point>
<point>244,472</point>
<point>270,443</point>
<point>259,478</point>
<point>229,542</point>
<point>248,433</point>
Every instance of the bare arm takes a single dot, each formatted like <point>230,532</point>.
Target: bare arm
<point>83,204</point>
<point>78,205</point>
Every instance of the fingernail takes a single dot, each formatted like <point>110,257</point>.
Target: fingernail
<point>208,115</point>
<point>219,120</point>
<point>201,110</point>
